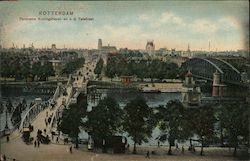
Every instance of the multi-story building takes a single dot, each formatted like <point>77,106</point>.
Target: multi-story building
<point>150,47</point>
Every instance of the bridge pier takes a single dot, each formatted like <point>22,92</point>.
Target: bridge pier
<point>218,87</point>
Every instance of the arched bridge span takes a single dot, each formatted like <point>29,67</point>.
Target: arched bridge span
<point>205,67</point>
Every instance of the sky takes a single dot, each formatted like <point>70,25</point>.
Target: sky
<point>127,24</point>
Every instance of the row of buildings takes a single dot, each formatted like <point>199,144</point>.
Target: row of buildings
<point>62,55</point>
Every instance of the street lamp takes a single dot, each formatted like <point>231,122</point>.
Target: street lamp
<point>6,130</point>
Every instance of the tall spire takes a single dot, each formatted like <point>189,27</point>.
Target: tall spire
<point>209,46</point>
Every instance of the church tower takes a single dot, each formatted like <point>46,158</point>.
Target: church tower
<point>99,44</point>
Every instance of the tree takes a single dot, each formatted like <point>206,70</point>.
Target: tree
<point>235,119</point>
<point>124,64</point>
<point>73,65</point>
<point>16,68</point>
<point>25,69</point>
<point>71,120</point>
<point>16,116</point>
<point>47,70</point>
<point>37,70</point>
<point>104,120</point>
<point>5,68</point>
<point>173,123</point>
<point>138,121</point>
<point>9,106</point>
<point>2,107</point>
<point>99,67</point>
<point>201,122</point>
<point>24,104</point>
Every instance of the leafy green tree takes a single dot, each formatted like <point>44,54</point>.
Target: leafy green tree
<point>37,70</point>
<point>202,122</point>
<point>234,119</point>
<point>9,106</point>
<point>173,123</point>
<point>16,116</point>
<point>111,68</point>
<point>71,120</point>
<point>104,120</point>
<point>126,65</point>
<point>5,68</point>
<point>73,65</point>
<point>99,67</point>
<point>16,68</point>
<point>24,104</point>
<point>25,69</point>
<point>47,70</point>
<point>138,121</point>
<point>1,109</point>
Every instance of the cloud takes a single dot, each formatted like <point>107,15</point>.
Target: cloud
<point>229,23</point>
<point>203,26</point>
<point>170,17</point>
<point>121,31</point>
<point>199,26</point>
<point>144,17</point>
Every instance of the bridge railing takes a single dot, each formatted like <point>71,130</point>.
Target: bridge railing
<point>30,115</point>
<point>69,80</point>
<point>54,117</point>
<point>70,97</point>
<point>57,93</point>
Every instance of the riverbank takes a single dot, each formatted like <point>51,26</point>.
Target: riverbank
<point>23,152</point>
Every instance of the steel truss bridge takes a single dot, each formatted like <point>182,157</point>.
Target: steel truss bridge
<point>204,68</point>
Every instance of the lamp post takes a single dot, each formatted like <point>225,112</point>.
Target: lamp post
<point>6,130</point>
<point>6,120</point>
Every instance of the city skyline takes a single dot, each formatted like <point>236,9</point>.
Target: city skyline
<point>130,24</point>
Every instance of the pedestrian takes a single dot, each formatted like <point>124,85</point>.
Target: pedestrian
<point>35,143</point>
<point>128,147</point>
<point>52,137</point>
<point>70,149</point>
<point>38,143</point>
<point>158,143</point>
<point>193,149</point>
<point>7,138</point>
<point>176,146</point>
<point>147,155</point>
<point>182,149</point>
<point>44,130</point>
<point>47,113</point>
<point>4,158</point>
<point>57,139</point>
<point>46,122</point>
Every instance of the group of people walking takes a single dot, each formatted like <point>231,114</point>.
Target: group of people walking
<point>36,143</point>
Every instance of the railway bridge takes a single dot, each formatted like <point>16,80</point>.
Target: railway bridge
<point>204,68</point>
